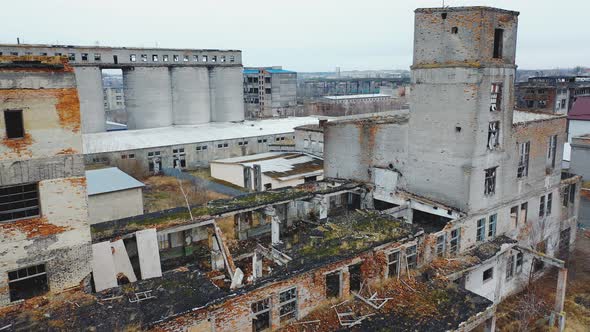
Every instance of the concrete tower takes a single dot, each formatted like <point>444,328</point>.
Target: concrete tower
<point>461,102</point>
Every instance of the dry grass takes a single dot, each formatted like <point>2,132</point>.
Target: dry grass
<point>205,173</point>
<point>163,192</point>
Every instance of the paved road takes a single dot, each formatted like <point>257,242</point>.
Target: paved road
<point>203,183</point>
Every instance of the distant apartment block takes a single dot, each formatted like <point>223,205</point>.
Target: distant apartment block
<point>269,91</point>
<point>551,94</point>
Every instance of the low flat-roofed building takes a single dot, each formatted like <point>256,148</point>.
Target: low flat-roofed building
<point>113,194</point>
<point>276,170</point>
<point>148,151</point>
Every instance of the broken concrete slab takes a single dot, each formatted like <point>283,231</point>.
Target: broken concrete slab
<point>122,261</point>
<point>149,254</point>
<point>103,266</point>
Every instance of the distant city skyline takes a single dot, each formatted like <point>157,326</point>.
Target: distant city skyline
<point>303,36</point>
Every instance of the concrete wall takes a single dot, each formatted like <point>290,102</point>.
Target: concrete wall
<point>138,166</point>
<point>309,141</point>
<point>577,128</point>
<point>115,205</point>
<point>89,82</point>
<point>48,155</point>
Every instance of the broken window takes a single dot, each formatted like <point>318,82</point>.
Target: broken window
<point>412,257</point>
<point>572,195</point>
<point>498,41</point>
<point>514,215</point>
<point>154,161</point>
<point>549,203</point>
<point>261,315</point>
<point>13,120</point>
<point>163,241</point>
<point>490,181</point>
<point>510,267</point>
<point>178,158</point>
<point>493,135</point>
<point>333,285</point>
<point>492,226</point>
<point>440,245</point>
<point>154,57</point>
<point>355,277</point>
<point>519,262</point>
<point>551,150</point>
<point>455,241</point>
<point>144,58</point>
<point>72,56</point>
<point>488,274</point>
<point>27,282</point>
<point>132,57</point>
<point>523,160</point>
<point>481,226</point>
<point>496,97</point>
<point>288,305</point>
<point>18,202</point>
<point>542,206</point>
<point>393,264</point>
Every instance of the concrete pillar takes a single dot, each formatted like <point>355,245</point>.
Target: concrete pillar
<point>490,324</point>
<point>557,316</point>
<point>89,81</point>
<point>148,97</point>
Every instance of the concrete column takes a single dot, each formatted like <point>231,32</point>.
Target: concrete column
<point>490,324</point>
<point>148,97</point>
<point>557,315</point>
<point>89,81</point>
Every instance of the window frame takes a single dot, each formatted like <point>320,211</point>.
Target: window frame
<point>480,235</point>
<point>491,277</point>
<point>490,181</point>
<point>26,209</point>
<point>496,97</point>
<point>492,225</point>
<point>288,302</point>
<point>395,262</point>
<point>524,150</point>
<point>21,124</point>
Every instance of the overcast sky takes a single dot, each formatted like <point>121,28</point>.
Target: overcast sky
<point>302,35</point>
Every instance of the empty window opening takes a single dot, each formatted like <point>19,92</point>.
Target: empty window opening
<point>214,58</point>
<point>288,305</point>
<point>204,58</point>
<point>523,212</point>
<point>261,315</point>
<point>393,264</point>
<point>455,242</point>
<point>493,135</point>
<point>549,204</point>
<point>178,158</point>
<point>175,58</point>
<point>84,56</point>
<point>514,215</point>
<point>267,186</point>
<point>113,95</point>
<point>523,159</point>
<point>27,282</point>
<point>97,57</point>
<point>232,58</point>
<point>222,58</point>
<point>443,16</point>
<point>490,181</point>
<point>13,120</point>
<point>519,262</point>
<point>165,57</point>
<point>333,285</point>
<point>72,56</point>
<point>185,58</point>
<point>551,151</point>
<point>115,59</point>
<point>154,161</point>
<point>18,202</point>
<point>132,58</point>
<point>496,97</point>
<point>412,257</point>
<point>144,58</point>
<point>195,58</point>
<point>542,206</point>
<point>458,129</point>
<point>356,277</point>
<point>510,267</point>
<point>57,53</point>
<point>498,41</point>
<point>488,274</point>
<point>454,30</point>
<point>155,58</point>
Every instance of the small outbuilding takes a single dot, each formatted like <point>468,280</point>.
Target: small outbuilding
<point>113,194</point>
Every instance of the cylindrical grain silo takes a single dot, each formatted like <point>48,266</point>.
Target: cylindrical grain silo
<point>148,97</point>
<point>89,82</point>
<point>190,95</point>
<point>227,94</point>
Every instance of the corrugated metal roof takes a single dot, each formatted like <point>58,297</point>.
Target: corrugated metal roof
<point>250,71</point>
<point>280,71</point>
<point>106,180</point>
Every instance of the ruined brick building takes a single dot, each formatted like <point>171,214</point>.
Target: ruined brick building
<point>44,233</point>
<point>426,220</point>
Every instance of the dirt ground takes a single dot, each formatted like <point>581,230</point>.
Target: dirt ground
<point>163,192</point>
<point>528,310</point>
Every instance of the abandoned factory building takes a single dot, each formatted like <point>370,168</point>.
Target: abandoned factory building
<point>425,220</point>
